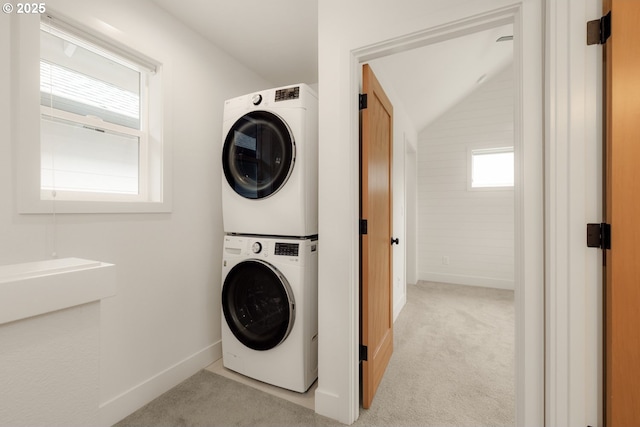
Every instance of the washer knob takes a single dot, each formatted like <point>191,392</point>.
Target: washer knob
<point>256,248</point>
<point>256,99</point>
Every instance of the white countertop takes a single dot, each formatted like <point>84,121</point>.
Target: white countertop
<point>35,288</point>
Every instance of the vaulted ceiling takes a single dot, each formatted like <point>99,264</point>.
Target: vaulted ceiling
<point>432,79</point>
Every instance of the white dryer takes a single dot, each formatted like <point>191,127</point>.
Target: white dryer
<point>270,309</point>
<point>270,163</point>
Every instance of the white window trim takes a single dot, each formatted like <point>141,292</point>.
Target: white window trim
<point>26,136</point>
<point>471,150</point>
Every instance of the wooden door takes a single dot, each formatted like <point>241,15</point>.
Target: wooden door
<point>622,187</point>
<point>376,314</point>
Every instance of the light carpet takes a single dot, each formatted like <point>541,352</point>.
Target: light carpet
<point>453,365</point>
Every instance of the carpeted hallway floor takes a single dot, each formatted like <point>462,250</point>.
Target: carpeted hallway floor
<point>453,365</point>
<point>453,360</point>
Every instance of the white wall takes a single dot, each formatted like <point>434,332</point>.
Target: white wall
<point>411,203</point>
<point>405,137</point>
<point>466,236</point>
<point>164,323</point>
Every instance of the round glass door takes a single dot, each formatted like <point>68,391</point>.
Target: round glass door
<point>258,154</point>
<point>258,305</point>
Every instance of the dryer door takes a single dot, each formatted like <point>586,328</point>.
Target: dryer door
<point>258,154</point>
<point>258,304</point>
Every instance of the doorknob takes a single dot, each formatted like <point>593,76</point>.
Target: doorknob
<point>396,241</point>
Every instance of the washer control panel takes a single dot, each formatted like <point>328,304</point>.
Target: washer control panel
<point>277,250</point>
<point>287,249</point>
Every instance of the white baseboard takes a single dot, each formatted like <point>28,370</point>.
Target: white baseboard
<point>398,305</point>
<point>332,406</point>
<point>136,397</point>
<point>458,279</point>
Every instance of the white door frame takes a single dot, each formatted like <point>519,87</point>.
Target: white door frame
<point>564,385</point>
<point>529,209</point>
<point>573,195</point>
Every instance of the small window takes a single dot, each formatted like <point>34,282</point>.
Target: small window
<point>491,168</point>
<point>94,120</point>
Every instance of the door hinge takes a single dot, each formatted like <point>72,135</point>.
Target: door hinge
<point>599,30</point>
<point>363,101</point>
<point>364,226</point>
<point>364,352</point>
<point>599,236</point>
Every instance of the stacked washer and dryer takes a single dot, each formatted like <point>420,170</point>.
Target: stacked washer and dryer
<point>270,251</point>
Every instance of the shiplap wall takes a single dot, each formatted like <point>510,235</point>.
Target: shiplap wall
<point>466,237</point>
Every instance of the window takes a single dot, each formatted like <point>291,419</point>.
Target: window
<point>89,118</point>
<point>95,120</point>
<point>491,168</point>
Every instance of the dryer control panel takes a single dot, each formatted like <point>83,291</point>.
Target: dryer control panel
<point>287,93</point>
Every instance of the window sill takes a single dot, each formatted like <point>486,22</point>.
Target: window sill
<point>88,207</point>
<point>502,188</point>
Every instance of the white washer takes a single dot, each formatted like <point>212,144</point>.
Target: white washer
<point>269,309</point>
<point>270,163</point>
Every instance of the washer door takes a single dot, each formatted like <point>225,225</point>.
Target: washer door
<point>258,304</point>
<point>258,154</point>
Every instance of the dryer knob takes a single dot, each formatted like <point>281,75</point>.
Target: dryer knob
<point>256,99</point>
<point>256,248</point>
